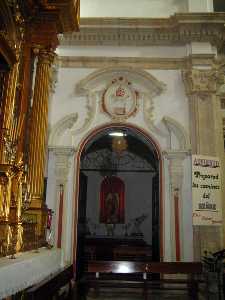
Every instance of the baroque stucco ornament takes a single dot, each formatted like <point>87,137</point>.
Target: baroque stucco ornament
<point>119,99</point>
<point>60,127</point>
<point>137,88</point>
<point>143,87</point>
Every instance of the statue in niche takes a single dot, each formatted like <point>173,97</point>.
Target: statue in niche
<point>112,208</point>
<point>112,200</point>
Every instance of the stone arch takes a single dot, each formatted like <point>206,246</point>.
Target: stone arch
<point>179,131</point>
<point>159,153</point>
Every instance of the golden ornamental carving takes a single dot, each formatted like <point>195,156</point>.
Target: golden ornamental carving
<point>12,30</point>
<point>200,81</point>
<point>46,57</point>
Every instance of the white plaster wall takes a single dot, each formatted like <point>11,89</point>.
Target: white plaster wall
<point>64,101</point>
<point>132,8</point>
<point>172,102</point>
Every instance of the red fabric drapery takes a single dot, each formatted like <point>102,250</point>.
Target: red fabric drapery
<point>112,200</point>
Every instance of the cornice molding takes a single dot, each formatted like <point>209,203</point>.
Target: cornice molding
<point>157,63</point>
<point>103,62</point>
<point>177,29</point>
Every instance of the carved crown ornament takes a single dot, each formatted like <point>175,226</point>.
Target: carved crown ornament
<point>180,28</point>
<point>120,100</point>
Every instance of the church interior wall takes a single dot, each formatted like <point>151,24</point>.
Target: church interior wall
<point>172,103</point>
<point>167,51</point>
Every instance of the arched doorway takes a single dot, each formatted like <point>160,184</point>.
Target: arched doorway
<point>119,208</point>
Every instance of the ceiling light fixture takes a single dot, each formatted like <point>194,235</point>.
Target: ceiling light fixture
<point>117,133</point>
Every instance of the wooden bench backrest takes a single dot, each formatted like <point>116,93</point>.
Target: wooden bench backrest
<point>129,267</point>
<point>116,267</point>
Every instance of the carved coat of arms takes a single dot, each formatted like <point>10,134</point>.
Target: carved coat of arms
<point>120,99</point>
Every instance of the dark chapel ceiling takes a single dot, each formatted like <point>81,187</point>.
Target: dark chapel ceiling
<point>140,154</point>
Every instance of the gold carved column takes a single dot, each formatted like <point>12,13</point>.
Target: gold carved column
<point>11,169</point>
<point>8,125</point>
<point>206,139</point>
<point>38,134</point>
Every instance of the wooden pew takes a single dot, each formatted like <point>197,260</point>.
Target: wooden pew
<point>108,274</point>
<point>49,287</point>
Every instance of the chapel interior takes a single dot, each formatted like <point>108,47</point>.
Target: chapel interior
<point>110,113</point>
<point>110,163</point>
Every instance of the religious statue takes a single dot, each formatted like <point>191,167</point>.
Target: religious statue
<point>112,208</point>
<point>112,201</point>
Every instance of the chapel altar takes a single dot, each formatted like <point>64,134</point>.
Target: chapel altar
<point>117,248</point>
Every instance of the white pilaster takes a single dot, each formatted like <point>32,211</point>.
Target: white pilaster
<point>63,156</point>
<point>176,159</point>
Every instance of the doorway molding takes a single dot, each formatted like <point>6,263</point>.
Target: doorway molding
<point>77,158</point>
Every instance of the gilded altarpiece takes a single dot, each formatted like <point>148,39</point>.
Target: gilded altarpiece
<point>28,34</point>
